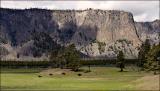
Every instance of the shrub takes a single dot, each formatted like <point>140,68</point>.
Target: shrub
<point>101,46</point>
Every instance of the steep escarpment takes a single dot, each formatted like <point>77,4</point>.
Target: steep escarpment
<point>94,32</point>
<point>150,30</point>
<point>88,29</point>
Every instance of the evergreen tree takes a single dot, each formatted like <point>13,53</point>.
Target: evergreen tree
<point>54,58</point>
<point>120,59</point>
<point>152,63</point>
<point>66,57</point>
<point>61,58</point>
<point>72,57</point>
<point>0,58</point>
<point>43,43</point>
<point>145,47</point>
<point>159,37</point>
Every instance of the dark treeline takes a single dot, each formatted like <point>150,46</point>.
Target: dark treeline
<point>21,64</point>
<point>46,64</point>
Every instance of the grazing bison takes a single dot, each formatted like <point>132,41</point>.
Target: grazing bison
<point>79,74</point>
<point>39,76</point>
<point>63,73</point>
<point>50,74</point>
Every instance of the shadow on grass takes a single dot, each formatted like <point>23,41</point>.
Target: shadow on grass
<point>123,71</point>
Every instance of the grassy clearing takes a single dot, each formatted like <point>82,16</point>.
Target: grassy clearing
<point>100,78</point>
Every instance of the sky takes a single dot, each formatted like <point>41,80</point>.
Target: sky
<point>141,10</point>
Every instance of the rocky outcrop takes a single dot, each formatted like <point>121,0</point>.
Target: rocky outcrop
<point>94,32</point>
<point>150,30</point>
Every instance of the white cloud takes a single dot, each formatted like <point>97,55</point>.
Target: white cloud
<point>27,4</point>
<point>142,10</point>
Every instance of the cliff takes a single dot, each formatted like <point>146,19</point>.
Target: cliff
<point>150,30</point>
<point>94,32</point>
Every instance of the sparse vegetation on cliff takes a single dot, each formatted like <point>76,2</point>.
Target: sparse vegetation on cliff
<point>101,46</point>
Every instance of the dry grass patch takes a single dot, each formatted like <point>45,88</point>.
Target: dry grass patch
<point>151,82</point>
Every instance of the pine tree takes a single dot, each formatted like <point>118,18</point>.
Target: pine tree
<point>0,58</point>
<point>66,57</point>
<point>145,47</point>
<point>152,63</point>
<point>159,37</point>
<point>54,58</point>
<point>120,59</point>
<point>72,57</point>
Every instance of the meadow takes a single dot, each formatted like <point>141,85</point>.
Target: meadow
<point>100,78</point>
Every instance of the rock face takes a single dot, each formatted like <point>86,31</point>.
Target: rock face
<point>94,32</point>
<point>150,30</point>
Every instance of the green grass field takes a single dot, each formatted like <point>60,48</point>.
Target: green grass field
<point>100,78</point>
